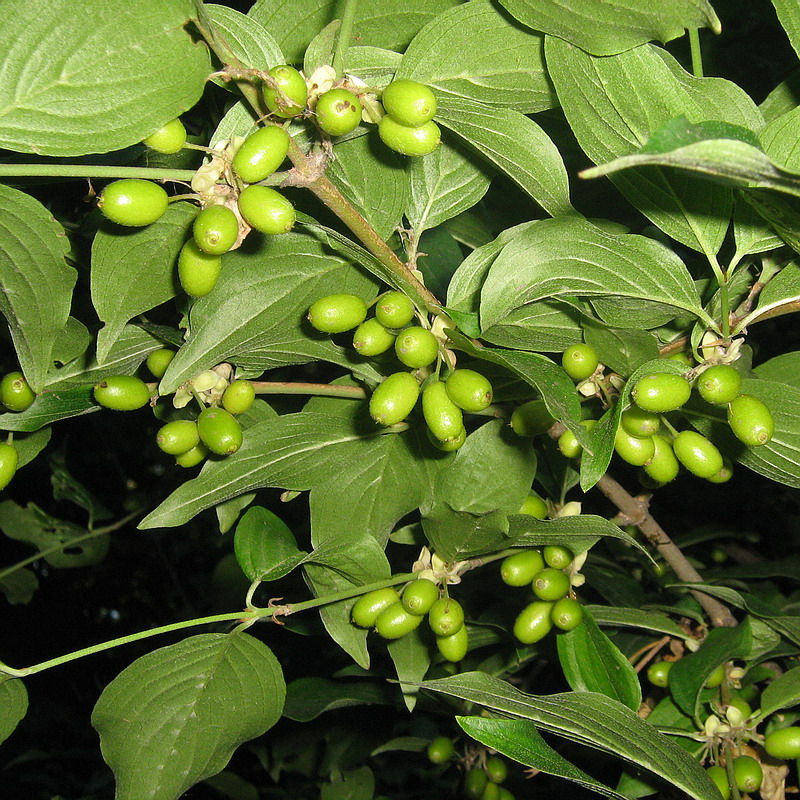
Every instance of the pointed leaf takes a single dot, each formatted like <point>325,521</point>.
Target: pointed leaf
<point>13,706</point>
<point>783,692</point>
<point>456,535</point>
<point>780,296</point>
<point>616,617</point>
<point>50,406</point>
<point>265,547</point>
<point>789,17</point>
<point>411,656</point>
<point>307,698</point>
<point>246,37</point>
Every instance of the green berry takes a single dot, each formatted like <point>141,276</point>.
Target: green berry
<point>393,400</point>
<point>579,361</point>
<point>454,647</point>
<point>409,141</point>
<point>632,449</point>
<point>15,392</point>
<point>750,420</point>
<point>738,702</point>
<point>531,419</point>
<point>658,673</point>
<point>719,384</point>
<point>663,467</point>
<point>661,392</point>
<point>443,417</point>
<point>519,569</point>
<point>419,596</point>
<point>440,750</point>
<point>394,622</point>
<point>496,769</point>
<point>720,778</point>
<point>168,139</point>
<point>534,506</point>
<point>557,556</point>
<point>715,678</point>
<point>638,422</point>
<point>783,743</point>
<point>409,102</point>
<point>394,310</point>
<point>336,313</point>
<point>446,616</point>
<point>534,622</point>
<point>469,390</point>
<point>491,791</point>
<point>504,794</point>
<point>366,609</point>
<point>338,112</point>
<point>697,454</point>
<point>261,153</point>
<point>9,458</point>
<point>567,613</point>
<point>747,773</point>
<point>122,393</point>
<point>449,445</point>
<point>219,431</point>
<point>198,272</point>
<point>178,437</point>
<point>474,783</point>
<point>239,396</point>
<point>568,443</point>
<point>158,361</point>
<point>215,230</point>
<point>133,202</point>
<point>416,347</point>
<point>371,338</point>
<point>191,458</point>
<point>266,210</point>
<point>724,475</point>
<point>287,97</point>
<point>550,584</point>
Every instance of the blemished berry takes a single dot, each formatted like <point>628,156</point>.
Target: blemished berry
<point>393,400</point>
<point>443,417</point>
<point>178,437</point>
<point>168,139</point>
<point>638,422</point>
<point>122,393</point>
<point>336,313</point>
<point>193,457</point>
<point>557,556</point>
<point>198,272</point>
<point>158,361</point>
<point>9,459</point>
<point>261,153</point>
<point>338,112</point>
<point>289,95</point>
<point>409,141</point>
<point>697,454</point>
<point>371,338</point>
<point>419,596</point>
<point>416,347</point>
<point>550,584</point>
<point>394,309</point>
<point>469,390</point>
<point>215,230</point>
<point>567,614</point>
<point>446,616</point>
<point>534,622</point>
<point>496,769</point>
<point>519,569</point>
<point>15,392</point>
<point>663,467</point>
<point>783,743</point>
<point>450,445</point>
<point>719,384</point>
<point>366,609</point>
<point>133,202</point>
<point>454,647</point>
<point>266,210</point>
<point>534,506</point>
<point>750,420</point>
<point>661,392</point>
<point>440,750</point>
<point>239,396</point>
<point>747,773</point>
<point>720,778</point>
<point>579,361</point>
<point>475,782</point>
<point>409,102</point>
<point>219,431</point>
<point>531,419</point>
<point>658,673</point>
<point>394,622</point>
<point>632,449</point>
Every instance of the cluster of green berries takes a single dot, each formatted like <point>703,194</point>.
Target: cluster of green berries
<point>394,616</point>
<point>16,395</point>
<point>484,783</point>
<point>408,125</point>
<point>443,402</point>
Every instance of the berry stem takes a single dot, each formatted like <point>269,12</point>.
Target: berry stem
<point>697,53</point>
<point>92,171</point>
<point>344,37</point>
<point>318,389</point>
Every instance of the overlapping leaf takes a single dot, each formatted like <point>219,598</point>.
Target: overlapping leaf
<point>13,706</point>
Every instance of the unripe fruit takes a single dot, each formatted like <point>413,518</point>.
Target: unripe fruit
<point>663,467</point>
<point>658,673</point>
<point>534,622</point>
<point>394,309</point>
<point>371,338</point>
<point>219,431</point>
<point>338,112</point>
<point>783,743</point>
<point>9,458</point>
<point>724,475</point>
<point>15,392</point>
<point>450,445</point>
<point>394,622</point>
<point>550,584</point>
<point>288,98</point>
<point>531,419</point>
<point>496,769</point>
<point>409,102</point>
<point>632,449</point>
<point>442,415</point>
<point>534,506</point>
<point>567,614</point>
<point>750,420</point>
<point>697,454</point>
<point>393,400</point>
<point>719,384</point>
<point>474,783</point>
<point>416,347</point>
<point>491,792</point>
<point>215,230</point>
<point>446,616</point>
<point>239,396</point>
<point>519,569</point>
<point>158,361</point>
<point>366,609</point>
<point>579,361</point>
<point>261,153</point>
<point>748,774</point>
<point>266,210</point>
<point>739,703</point>
<point>557,557</point>
<point>198,272</point>
<point>440,750</point>
<point>122,393</point>
<point>720,778</point>
<point>419,596</point>
<point>409,141</point>
<point>178,437</point>
<point>191,458</point>
<point>715,678</point>
<point>133,202</point>
<point>661,392</point>
<point>454,647</point>
<point>336,313</point>
<point>568,443</point>
<point>168,139</point>
<point>469,390</point>
<point>638,422</point>
<point>504,794</point>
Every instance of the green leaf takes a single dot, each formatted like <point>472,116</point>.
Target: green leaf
<point>89,76</point>
<point>515,145</point>
<point>50,406</point>
<point>547,326</point>
<point>475,52</point>
<point>175,716</point>
<point>134,270</point>
<point>604,29</point>
<point>784,368</point>
<point>307,698</point>
<point>321,48</point>
<point>229,511</point>
<point>593,663</point>
<point>621,350</point>
<point>439,256</point>
<point>71,342</point>
<point>589,719</point>
<point>751,231</point>
<point>358,784</point>
<point>616,617</point>
<point>519,740</point>
<point>411,656</point>
<point>782,99</point>
<point>789,17</point>
<point>13,706</point>
<point>779,211</point>
<point>28,446</point>
<point>373,65</point>
<point>265,546</point>
<point>19,587</point>
<point>35,282</point>
<point>783,692</point>
<point>456,535</point>
<point>247,39</point>
<point>781,295</point>
<point>67,487</point>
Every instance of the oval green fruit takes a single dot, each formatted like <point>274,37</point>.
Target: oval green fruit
<point>336,313</point>
<point>450,445</point>
<point>550,584</point>
<point>371,338</point>
<point>579,361</point>
<point>9,459</point>
<point>158,361</point>
<point>191,458</point>
<point>409,102</point>
<point>394,309</point>
<point>133,202</point>
<point>443,417</point>
<point>720,779</point>
<point>719,384</point>
<point>491,792</point>
<point>454,647</point>
<point>469,390</point>
<point>287,95</point>
<point>557,556</point>
<point>520,568</point>
<point>531,419</point>
<point>446,616</point>
<point>567,613</point>
<point>715,678</point>
<point>239,396</point>
<point>475,782</point>
<point>638,422</point>
<point>122,393</point>
<point>661,392</point>
<point>632,449</point>
<point>178,437</point>
<point>534,506</point>
<point>366,609</point>
<point>724,475</point>
<point>266,210</point>
<point>15,392</point>
<point>419,596</point>
<point>198,272</point>
<point>261,153</point>
<point>783,743</point>
<point>219,431</point>
<point>168,139</point>
<point>658,673</point>
<point>663,467</point>
<point>416,347</point>
<point>440,750</point>
<point>338,112</point>
<point>748,774</point>
<point>697,454</point>
<point>393,400</point>
<point>750,420</point>
<point>394,622</point>
<point>496,769</point>
<point>215,230</point>
<point>534,622</point>
<point>409,141</point>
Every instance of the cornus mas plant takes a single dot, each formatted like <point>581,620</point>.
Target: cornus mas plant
<point>454,337</point>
